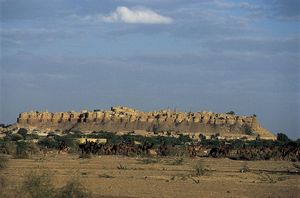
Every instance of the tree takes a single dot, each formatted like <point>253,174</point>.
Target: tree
<point>23,132</point>
<point>16,137</point>
<point>231,113</point>
<point>282,137</point>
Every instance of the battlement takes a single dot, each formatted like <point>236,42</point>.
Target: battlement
<point>124,118</point>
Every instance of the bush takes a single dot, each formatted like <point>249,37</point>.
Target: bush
<point>32,136</point>
<point>3,187</point>
<point>73,189</point>
<point>3,183</point>
<point>248,130</point>
<point>184,138</point>
<point>69,142</point>
<point>38,185</point>
<point>23,132</point>
<point>21,150</point>
<point>149,160</point>
<point>245,168</point>
<point>15,137</point>
<point>121,167</point>
<point>210,143</point>
<point>282,137</point>
<point>85,156</point>
<point>200,169</point>
<point>111,137</point>
<point>297,166</point>
<point>177,161</point>
<point>3,162</point>
<point>231,113</point>
<point>48,142</point>
<point>32,148</point>
<point>8,147</point>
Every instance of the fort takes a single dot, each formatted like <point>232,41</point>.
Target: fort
<point>122,118</point>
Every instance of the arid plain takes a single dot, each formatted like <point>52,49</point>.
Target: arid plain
<point>120,176</point>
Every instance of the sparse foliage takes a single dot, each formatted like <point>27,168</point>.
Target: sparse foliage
<point>231,113</point>
<point>73,189</point>
<point>200,169</point>
<point>245,168</point>
<point>248,130</point>
<point>3,162</point>
<point>38,185</point>
<point>121,167</point>
<point>282,137</point>
<point>21,150</point>
<point>149,160</point>
<point>297,166</point>
<point>23,132</point>
<point>177,161</point>
<point>85,156</point>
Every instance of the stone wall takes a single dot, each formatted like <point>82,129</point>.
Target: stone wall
<point>126,119</point>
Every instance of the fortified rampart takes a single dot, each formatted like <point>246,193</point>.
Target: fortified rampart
<point>127,119</point>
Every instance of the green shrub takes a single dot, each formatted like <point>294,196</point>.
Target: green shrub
<point>32,136</point>
<point>231,113</point>
<point>21,150</point>
<point>282,137</point>
<point>23,132</point>
<point>48,142</point>
<point>16,137</point>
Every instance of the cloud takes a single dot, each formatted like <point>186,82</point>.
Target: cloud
<point>136,15</point>
<point>21,36</point>
<point>284,9</point>
<point>221,4</point>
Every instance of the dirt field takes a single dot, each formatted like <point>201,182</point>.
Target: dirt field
<point>118,176</point>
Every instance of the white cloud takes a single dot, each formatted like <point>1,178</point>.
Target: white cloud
<point>136,15</point>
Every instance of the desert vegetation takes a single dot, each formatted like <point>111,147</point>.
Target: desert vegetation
<point>137,159</point>
<point>40,185</point>
<point>67,175</point>
<point>23,144</point>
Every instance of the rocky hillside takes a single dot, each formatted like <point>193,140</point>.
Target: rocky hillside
<point>127,119</point>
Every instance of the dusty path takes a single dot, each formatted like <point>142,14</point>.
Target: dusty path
<point>118,176</point>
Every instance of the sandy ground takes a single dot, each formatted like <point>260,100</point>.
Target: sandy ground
<point>119,176</point>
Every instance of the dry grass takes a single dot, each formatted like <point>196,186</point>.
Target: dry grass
<point>121,167</point>
<point>73,189</point>
<point>117,176</point>
<point>85,156</point>
<point>200,169</point>
<point>177,161</point>
<point>149,160</point>
<point>3,162</point>
<point>40,185</point>
<point>245,168</point>
<point>37,185</point>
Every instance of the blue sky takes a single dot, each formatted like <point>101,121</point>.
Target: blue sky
<point>194,55</point>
